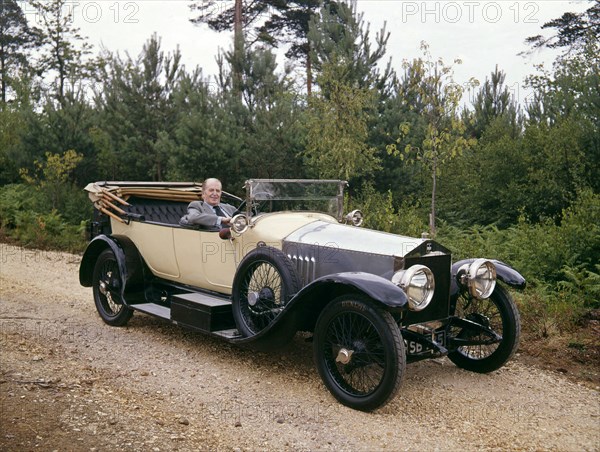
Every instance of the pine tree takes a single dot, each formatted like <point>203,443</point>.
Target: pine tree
<point>16,38</point>
<point>64,47</point>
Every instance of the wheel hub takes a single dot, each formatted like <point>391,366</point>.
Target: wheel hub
<point>253,298</point>
<point>102,288</point>
<point>344,356</point>
<point>265,294</point>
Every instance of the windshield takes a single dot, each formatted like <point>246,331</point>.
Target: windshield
<point>276,195</point>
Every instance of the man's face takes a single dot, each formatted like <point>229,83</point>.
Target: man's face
<point>211,192</point>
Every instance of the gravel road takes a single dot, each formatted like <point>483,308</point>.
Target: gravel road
<point>68,382</point>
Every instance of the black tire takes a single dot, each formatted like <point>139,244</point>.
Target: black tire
<point>264,283</point>
<point>500,314</point>
<point>106,286</point>
<point>359,352</point>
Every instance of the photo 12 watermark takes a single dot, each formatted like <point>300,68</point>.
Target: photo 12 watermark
<point>269,411</point>
<point>467,11</point>
<point>51,332</point>
<point>125,12</point>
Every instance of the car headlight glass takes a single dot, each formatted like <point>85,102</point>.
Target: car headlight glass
<point>418,283</point>
<point>239,223</point>
<point>481,278</point>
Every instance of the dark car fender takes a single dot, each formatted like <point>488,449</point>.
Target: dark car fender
<point>504,273</point>
<point>374,286</point>
<point>303,309</point>
<point>129,260</point>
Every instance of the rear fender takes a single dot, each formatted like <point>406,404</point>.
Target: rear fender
<point>129,260</point>
<point>504,273</point>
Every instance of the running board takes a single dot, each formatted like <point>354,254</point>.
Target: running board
<point>153,309</point>
<point>228,334</point>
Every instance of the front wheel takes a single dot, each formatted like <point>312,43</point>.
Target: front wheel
<point>359,352</point>
<point>107,285</point>
<point>264,283</point>
<point>497,313</point>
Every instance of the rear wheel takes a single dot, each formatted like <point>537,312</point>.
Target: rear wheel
<point>359,352</point>
<point>106,285</point>
<point>499,314</point>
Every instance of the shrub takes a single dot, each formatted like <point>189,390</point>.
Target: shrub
<point>558,261</point>
<point>382,215</point>
<point>26,216</point>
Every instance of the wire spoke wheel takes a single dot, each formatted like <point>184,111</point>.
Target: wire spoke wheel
<point>485,313</point>
<point>107,289</point>
<point>263,289</point>
<point>357,359</point>
<point>359,352</point>
<point>264,283</point>
<point>486,352</point>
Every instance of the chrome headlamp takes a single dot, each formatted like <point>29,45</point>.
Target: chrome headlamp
<point>355,218</point>
<point>479,276</point>
<point>418,283</point>
<point>239,224</point>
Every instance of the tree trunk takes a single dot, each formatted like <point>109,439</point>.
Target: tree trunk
<point>238,46</point>
<point>432,214</point>
<point>308,72</point>
<point>3,75</point>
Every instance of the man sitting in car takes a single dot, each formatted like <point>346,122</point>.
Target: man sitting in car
<point>210,212</point>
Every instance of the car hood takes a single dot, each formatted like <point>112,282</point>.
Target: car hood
<point>343,237</point>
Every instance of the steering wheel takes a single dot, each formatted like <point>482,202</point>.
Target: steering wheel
<point>256,205</point>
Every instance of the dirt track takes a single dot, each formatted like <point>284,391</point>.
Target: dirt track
<point>69,382</point>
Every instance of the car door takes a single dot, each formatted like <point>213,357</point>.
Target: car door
<point>204,259</point>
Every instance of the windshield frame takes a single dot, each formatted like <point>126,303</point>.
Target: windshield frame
<point>260,190</point>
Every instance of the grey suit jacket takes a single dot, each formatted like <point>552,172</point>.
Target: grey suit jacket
<point>203,214</point>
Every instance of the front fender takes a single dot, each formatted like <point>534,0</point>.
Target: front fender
<point>303,309</point>
<point>504,273</point>
<point>131,265</point>
<point>375,287</point>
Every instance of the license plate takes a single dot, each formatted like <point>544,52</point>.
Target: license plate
<point>415,348</point>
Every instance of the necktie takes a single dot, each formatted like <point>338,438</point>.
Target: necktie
<point>218,211</point>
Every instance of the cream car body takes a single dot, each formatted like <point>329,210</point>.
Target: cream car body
<point>292,261</point>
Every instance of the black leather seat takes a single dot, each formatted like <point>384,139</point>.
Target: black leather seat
<point>157,210</point>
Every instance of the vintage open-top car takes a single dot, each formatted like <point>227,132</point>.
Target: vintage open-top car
<point>291,261</point>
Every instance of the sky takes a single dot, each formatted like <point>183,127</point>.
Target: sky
<point>481,33</point>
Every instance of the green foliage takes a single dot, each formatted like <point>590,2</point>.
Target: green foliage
<point>583,284</point>
<point>25,216</point>
<point>492,101</point>
<point>16,40</point>
<point>382,214</point>
<point>52,174</point>
<point>572,30</point>
<point>48,231</point>
<point>337,129</point>
<point>138,115</point>
<point>479,187</point>
<point>63,48</point>
<point>338,37</point>
<point>541,251</point>
<point>444,138</point>
<point>266,121</point>
<point>15,198</point>
<point>558,261</point>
